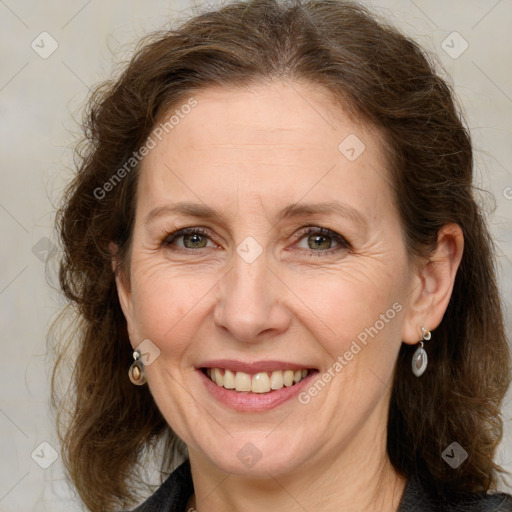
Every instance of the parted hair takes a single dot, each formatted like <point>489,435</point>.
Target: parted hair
<point>381,78</point>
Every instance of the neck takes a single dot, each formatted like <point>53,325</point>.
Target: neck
<point>357,477</point>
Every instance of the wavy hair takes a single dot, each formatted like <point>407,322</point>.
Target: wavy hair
<point>380,77</point>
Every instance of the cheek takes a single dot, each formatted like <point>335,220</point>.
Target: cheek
<point>164,302</point>
<point>347,300</point>
<point>357,319</point>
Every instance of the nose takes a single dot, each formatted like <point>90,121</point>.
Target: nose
<point>252,302</point>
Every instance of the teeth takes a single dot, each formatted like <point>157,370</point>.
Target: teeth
<point>276,380</point>
<point>218,377</point>
<point>229,379</point>
<point>288,378</point>
<point>242,381</point>
<point>262,382</point>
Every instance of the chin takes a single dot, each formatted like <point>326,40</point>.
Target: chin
<point>258,455</point>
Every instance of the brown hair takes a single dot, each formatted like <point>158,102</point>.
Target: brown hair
<point>382,78</point>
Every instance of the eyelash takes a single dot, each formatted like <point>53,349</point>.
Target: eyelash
<point>310,230</point>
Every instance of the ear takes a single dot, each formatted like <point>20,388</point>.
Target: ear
<point>432,284</point>
<point>123,289</point>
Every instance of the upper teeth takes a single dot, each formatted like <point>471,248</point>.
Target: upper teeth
<point>262,382</point>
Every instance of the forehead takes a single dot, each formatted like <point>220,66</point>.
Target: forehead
<point>282,137</point>
<point>275,112</point>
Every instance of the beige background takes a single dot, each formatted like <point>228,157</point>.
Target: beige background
<point>39,98</point>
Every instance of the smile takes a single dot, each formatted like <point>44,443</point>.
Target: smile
<point>262,382</point>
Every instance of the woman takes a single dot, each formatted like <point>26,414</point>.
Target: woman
<point>282,281</point>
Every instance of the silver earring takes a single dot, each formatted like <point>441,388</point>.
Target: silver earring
<point>420,359</point>
<point>136,371</point>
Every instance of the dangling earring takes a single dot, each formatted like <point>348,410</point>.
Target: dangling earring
<point>420,359</point>
<point>136,371</point>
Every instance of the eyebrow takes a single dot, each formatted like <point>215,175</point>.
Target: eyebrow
<point>297,210</point>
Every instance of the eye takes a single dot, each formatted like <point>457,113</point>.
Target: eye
<point>192,238</point>
<point>320,240</point>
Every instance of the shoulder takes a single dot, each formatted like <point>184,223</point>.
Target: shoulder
<point>416,499</point>
<point>484,502</point>
<point>497,502</point>
<point>173,494</point>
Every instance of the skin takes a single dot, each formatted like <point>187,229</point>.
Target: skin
<point>248,153</point>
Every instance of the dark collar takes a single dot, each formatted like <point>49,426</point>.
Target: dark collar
<point>173,494</point>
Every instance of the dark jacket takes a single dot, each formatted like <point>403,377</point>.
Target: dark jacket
<point>173,495</point>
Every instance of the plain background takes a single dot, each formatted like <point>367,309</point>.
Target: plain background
<point>40,98</point>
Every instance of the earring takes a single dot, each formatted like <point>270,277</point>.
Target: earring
<point>136,371</point>
<point>420,359</point>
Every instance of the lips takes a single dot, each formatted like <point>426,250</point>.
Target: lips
<point>262,399</point>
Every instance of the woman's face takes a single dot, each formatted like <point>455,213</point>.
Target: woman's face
<point>255,288</point>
